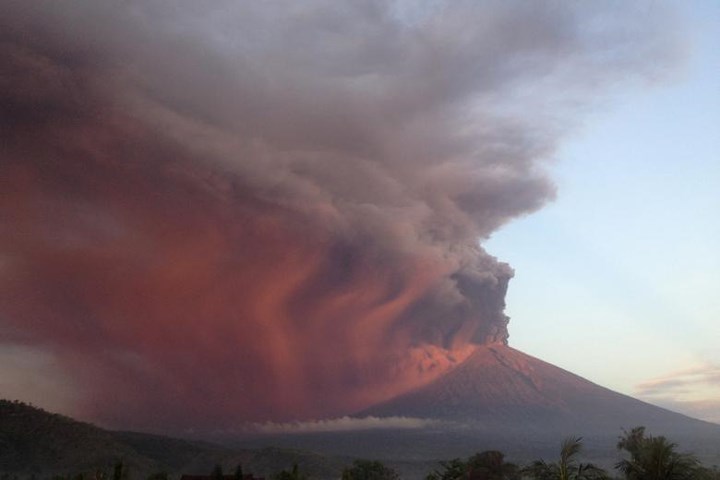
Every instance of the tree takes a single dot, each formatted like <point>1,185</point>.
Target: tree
<point>655,458</point>
<point>488,465</point>
<point>450,470</point>
<point>293,474</point>
<point>491,465</point>
<point>566,468</point>
<point>369,470</point>
<point>709,473</point>
<point>120,471</point>
<point>239,475</point>
<point>217,473</point>
<point>158,476</point>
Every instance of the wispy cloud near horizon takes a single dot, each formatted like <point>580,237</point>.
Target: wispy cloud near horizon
<point>694,391</point>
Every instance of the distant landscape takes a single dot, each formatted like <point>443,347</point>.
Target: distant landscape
<point>35,444</point>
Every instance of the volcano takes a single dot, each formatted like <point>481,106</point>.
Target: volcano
<point>500,398</point>
<point>498,387</point>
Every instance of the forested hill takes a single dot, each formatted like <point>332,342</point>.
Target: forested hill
<point>43,444</point>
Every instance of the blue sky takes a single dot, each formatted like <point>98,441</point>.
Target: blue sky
<point>617,279</point>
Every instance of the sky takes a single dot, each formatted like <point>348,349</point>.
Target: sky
<point>275,211</point>
<point>617,278</point>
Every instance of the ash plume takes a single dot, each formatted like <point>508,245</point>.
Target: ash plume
<point>253,211</point>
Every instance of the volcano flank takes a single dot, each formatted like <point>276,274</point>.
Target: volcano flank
<point>497,398</point>
<point>501,387</point>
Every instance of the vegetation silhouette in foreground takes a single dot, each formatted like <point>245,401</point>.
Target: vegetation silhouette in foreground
<point>217,473</point>
<point>656,458</point>
<point>293,474</point>
<point>567,467</point>
<point>487,465</point>
<point>369,470</point>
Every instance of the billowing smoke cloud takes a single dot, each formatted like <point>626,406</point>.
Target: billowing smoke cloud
<point>271,210</point>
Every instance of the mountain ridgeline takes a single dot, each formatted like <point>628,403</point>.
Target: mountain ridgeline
<point>36,443</point>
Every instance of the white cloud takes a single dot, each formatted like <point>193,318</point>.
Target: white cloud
<point>343,424</point>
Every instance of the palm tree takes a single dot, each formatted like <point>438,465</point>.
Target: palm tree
<point>654,458</point>
<point>566,468</point>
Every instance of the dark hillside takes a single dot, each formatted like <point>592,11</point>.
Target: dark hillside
<point>36,442</point>
<point>33,441</point>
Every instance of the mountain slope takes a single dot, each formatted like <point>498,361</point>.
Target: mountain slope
<point>500,387</point>
<point>502,399</point>
<point>36,442</point>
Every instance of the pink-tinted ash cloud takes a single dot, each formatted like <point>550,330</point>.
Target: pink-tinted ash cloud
<point>250,211</point>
